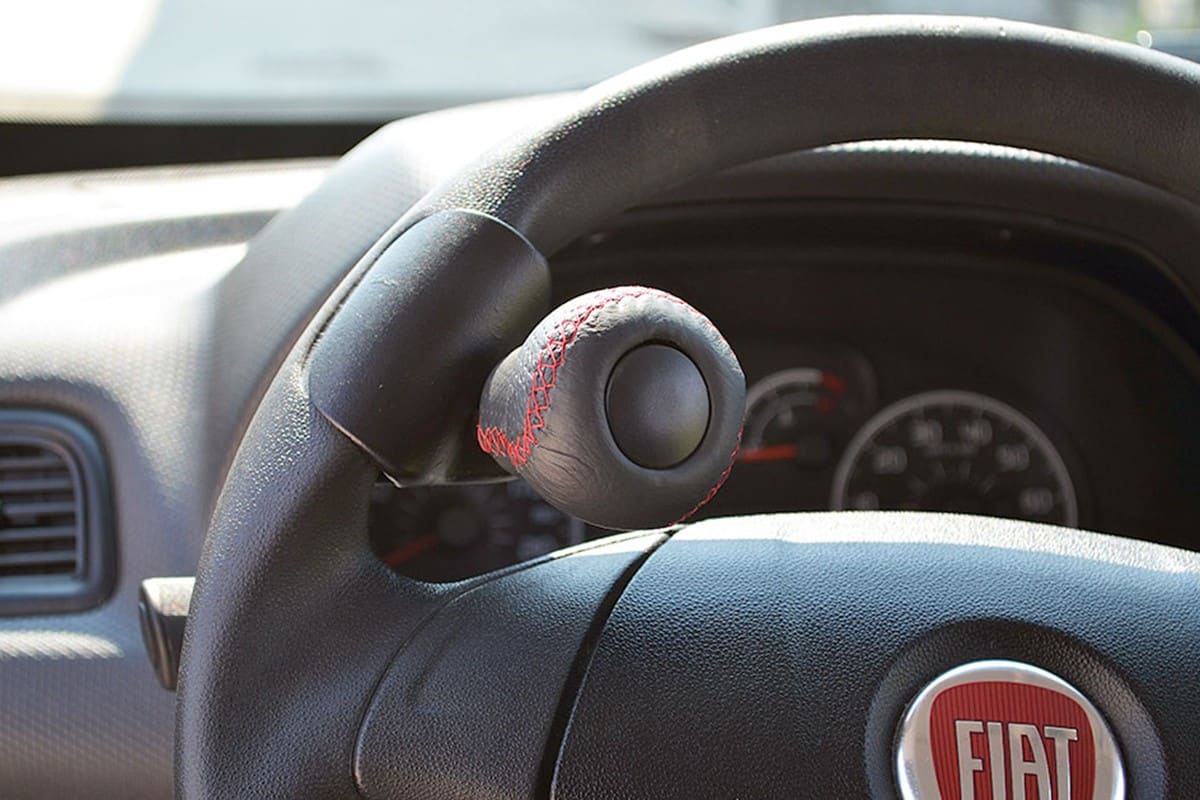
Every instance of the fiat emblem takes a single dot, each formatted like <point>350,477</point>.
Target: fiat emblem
<point>1002,730</point>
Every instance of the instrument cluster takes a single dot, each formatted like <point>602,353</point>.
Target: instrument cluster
<point>817,437</point>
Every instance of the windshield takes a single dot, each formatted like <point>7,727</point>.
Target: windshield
<point>271,60</point>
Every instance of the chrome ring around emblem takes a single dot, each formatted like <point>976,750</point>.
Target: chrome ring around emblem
<point>1002,729</point>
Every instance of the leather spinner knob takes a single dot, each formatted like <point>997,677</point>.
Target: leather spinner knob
<point>623,408</point>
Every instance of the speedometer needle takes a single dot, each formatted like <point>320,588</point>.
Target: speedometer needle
<point>775,452</point>
<point>410,550</point>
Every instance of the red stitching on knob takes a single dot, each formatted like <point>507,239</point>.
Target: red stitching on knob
<point>544,378</point>
<point>737,445</point>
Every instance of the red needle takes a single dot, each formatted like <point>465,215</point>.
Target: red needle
<point>777,452</point>
<point>410,550</point>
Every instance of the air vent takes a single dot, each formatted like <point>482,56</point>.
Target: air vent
<point>55,542</point>
<point>39,511</point>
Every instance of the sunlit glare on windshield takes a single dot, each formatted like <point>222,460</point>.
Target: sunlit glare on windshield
<point>81,60</point>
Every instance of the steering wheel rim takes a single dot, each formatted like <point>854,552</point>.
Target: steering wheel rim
<point>836,80</point>
<point>295,626</point>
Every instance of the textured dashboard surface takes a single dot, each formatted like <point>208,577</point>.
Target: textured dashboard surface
<point>128,301</point>
<point>105,302</point>
<point>115,347</point>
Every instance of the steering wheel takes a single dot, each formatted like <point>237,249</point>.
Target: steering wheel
<point>760,656</point>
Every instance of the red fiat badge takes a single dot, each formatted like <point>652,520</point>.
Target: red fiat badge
<point>1001,730</point>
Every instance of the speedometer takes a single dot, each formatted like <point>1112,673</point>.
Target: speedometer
<point>955,451</point>
<point>788,415</point>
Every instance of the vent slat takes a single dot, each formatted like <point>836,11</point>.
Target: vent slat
<point>37,534</point>
<point>51,508</point>
<point>52,558</point>
<point>30,463</point>
<point>35,485</point>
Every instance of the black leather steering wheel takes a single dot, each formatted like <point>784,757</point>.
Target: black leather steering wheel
<point>749,657</point>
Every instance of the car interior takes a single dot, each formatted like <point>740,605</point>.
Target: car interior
<point>662,400</point>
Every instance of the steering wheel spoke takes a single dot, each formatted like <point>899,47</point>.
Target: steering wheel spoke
<point>470,704</point>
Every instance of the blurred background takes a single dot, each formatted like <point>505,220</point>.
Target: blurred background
<point>329,71</point>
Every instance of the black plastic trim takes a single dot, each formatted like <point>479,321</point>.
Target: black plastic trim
<point>95,572</point>
<point>30,148</point>
<point>886,231</point>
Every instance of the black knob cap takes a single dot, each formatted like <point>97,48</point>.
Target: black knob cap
<point>623,408</point>
<point>657,404</point>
